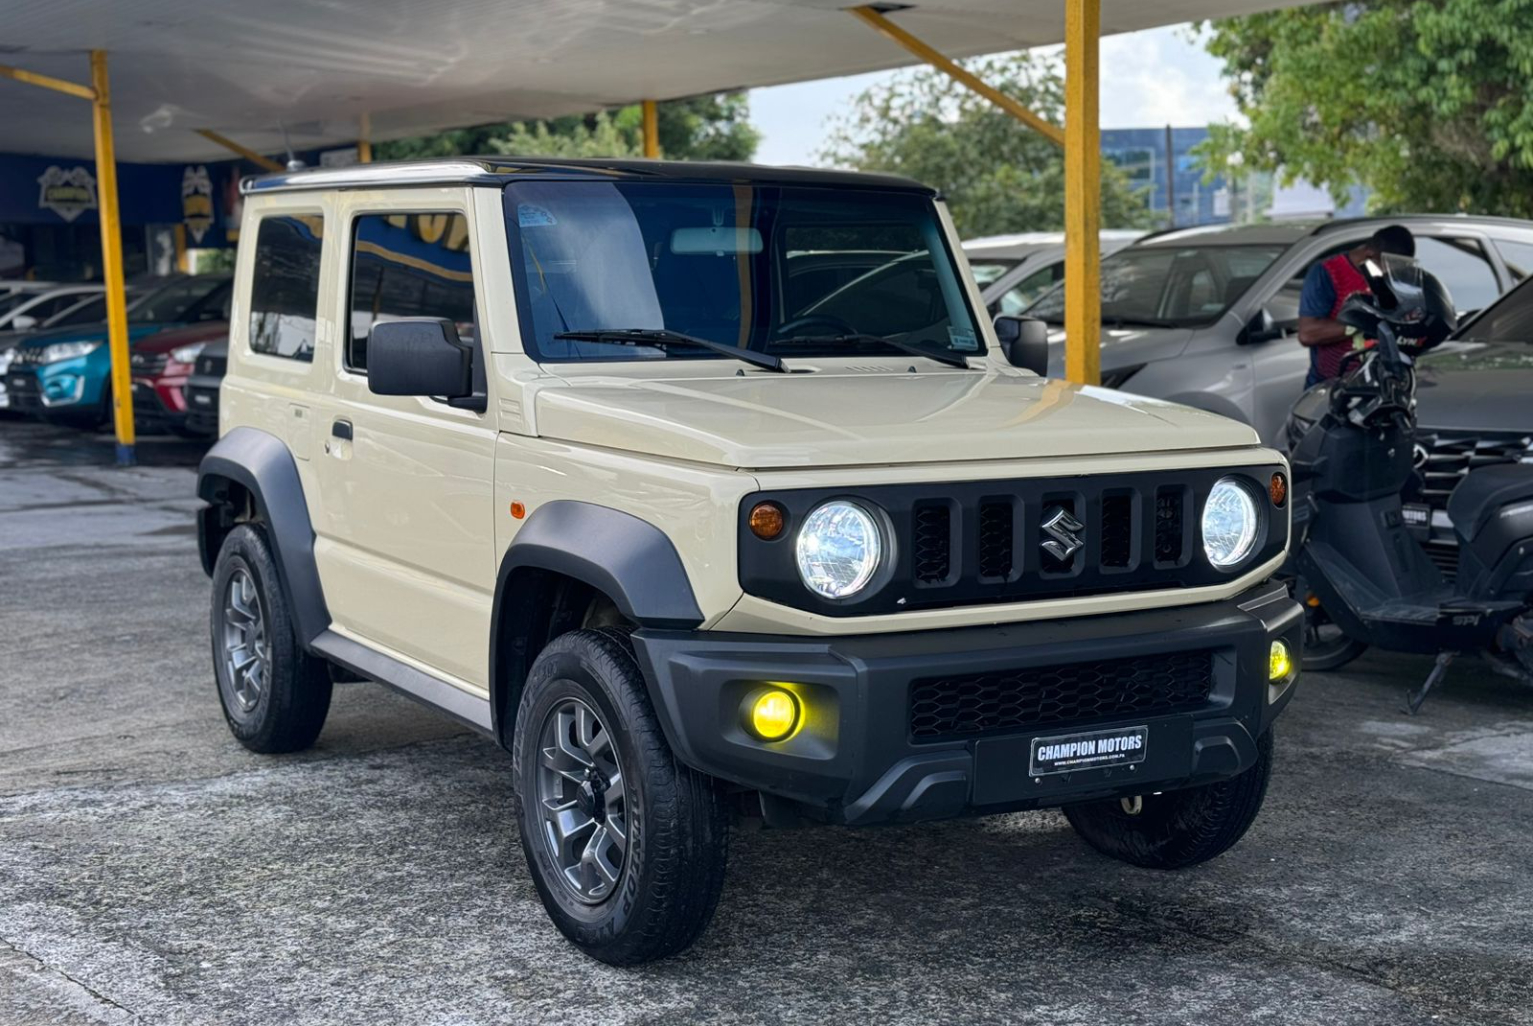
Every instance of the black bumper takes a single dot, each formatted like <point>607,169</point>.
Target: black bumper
<point>202,403</point>
<point>23,394</point>
<point>867,752</point>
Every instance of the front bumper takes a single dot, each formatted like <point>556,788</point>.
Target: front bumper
<point>202,403</point>
<point>859,758</point>
<point>159,403</point>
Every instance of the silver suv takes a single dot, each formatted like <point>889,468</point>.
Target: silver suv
<point>1207,316</point>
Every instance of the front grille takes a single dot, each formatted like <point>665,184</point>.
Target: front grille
<point>147,363</point>
<point>27,356</point>
<point>942,708</point>
<point>1117,530</point>
<point>997,557</point>
<point>1444,457</point>
<point>210,364</point>
<point>1169,524</point>
<point>931,542</point>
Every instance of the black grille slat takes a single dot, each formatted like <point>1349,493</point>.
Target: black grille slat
<point>932,543</point>
<point>1450,456</point>
<point>1117,531</point>
<point>985,703</point>
<point>1170,528</point>
<point>996,549</point>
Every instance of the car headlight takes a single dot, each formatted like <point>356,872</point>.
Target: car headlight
<point>68,350</point>
<point>839,549</point>
<point>187,353</point>
<point>1230,523</point>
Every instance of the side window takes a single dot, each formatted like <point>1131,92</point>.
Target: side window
<point>1284,304</point>
<point>1022,295</point>
<point>1518,257</point>
<point>284,295</point>
<point>1460,264</point>
<point>408,265</point>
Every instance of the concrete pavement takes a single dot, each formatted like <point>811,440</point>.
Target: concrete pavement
<point>153,871</point>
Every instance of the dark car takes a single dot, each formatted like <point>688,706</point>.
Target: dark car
<point>202,388</point>
<point>162,365</point>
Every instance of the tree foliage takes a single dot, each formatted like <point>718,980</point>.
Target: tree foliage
<point>997,174</point>
<point>700,128</point>
<point>1426,102</point>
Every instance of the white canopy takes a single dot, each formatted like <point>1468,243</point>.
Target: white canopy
<point>248,69</point>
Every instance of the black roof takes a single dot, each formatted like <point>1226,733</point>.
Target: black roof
<point>499,171</point>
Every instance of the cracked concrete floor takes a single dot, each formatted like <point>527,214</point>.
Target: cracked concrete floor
<point>153,871</point>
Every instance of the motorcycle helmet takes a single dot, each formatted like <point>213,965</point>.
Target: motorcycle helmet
<point>1404,296</point>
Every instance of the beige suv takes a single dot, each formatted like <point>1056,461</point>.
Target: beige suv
<point>543,445</point>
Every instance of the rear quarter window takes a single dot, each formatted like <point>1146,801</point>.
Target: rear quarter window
<point>284,291</point>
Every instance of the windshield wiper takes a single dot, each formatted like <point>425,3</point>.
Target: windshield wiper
<point>1137,322</point>
<point>664,338</point>
<point>914,348</point>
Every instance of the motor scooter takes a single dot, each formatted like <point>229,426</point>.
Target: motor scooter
<point>1354,561</point>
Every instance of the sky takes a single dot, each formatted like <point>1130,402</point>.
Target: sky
<point>1151,78</point>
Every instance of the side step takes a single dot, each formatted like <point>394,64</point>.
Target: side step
<point>470,710</point>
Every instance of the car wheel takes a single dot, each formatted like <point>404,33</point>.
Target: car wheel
<point>1176,829</point>
<point>1326,645</point>
<point>625,845</point>
<point>275,695</point>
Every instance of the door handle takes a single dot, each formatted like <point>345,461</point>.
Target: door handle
<point>341,429</point>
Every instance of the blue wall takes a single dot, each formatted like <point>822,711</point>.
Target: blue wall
<point>1141,152</point>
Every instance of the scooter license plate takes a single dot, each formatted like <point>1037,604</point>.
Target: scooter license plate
<point>1097,749</point>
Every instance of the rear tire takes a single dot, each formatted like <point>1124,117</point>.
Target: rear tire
<point>275,696</point>
<point>1177,829</point>
<point>631,866</point>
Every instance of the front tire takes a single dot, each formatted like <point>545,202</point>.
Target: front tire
<point>275,696</point>
<point>626,846</point>
<point>1177,829</point>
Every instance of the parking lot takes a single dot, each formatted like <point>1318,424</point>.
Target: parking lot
<point>152,870</point>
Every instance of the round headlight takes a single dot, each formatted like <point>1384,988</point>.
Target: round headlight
<point>1230,523</point>
<point>838,549</point>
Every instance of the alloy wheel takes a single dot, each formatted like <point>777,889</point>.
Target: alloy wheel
<point>247,652</point>
<point>583,800</point>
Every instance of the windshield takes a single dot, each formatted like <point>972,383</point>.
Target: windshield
<point>987,270</point>
<point>1509,320</point>
<point>778,269</point>
<point>186,299</point>
<point>1169,286</point>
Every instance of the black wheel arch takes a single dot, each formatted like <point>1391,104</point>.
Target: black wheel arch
<point>566,554</point>
<point>251,474</point>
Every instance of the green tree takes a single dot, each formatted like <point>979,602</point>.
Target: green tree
<point>997,174</point>
<point>1425,102</point>
<point>698,128</point>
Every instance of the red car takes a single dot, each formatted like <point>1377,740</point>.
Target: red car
<point>161,364</point>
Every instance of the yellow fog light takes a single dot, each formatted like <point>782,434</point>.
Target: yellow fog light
<point>1279,661</point>
<point>770,713</point>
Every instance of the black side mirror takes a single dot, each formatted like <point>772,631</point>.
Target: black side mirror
<point>1260,328</point>
<point>418,356</point>
<point>1025,341</point>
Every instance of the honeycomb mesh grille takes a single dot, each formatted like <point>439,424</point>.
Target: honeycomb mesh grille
<point>996,558</point>
<point>1117,530</point>
<point>932,545</point>
<point>985,703</point>
<point>1168,525</point>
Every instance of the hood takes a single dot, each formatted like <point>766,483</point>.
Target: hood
<point>1123,347</point>
<point>165,341</point>
<point>1475,386</point>
<point>882,415</point>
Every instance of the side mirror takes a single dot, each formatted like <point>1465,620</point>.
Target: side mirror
<point>1025,341</point>
<point>418,356</point>
<point>1261,328</point>
<point>23,322</point>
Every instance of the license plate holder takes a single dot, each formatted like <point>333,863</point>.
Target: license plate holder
<point>1088,750</point>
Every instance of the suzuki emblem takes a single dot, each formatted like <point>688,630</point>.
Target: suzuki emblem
<point>1063,532</point>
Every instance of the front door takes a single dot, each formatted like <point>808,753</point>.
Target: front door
<point>405,538</point>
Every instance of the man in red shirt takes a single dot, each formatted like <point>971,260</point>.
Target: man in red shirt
<point>1326,288</point>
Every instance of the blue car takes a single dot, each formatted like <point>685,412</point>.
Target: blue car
<point>64,375</point>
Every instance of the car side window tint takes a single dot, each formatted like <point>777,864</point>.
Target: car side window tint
<point>1518,257</point>
<point>284,291</point>
<point>408,265</point>
<point>1462,266</point>
<point>1025,292</point>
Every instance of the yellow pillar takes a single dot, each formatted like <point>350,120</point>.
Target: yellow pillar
<point>182,262</point>
<point>233,147</point>
<point>365,139</point>
<point>651,128</point>
<point>1083,194</point>
<point>111,260</point>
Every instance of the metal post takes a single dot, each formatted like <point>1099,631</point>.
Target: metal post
<point>183,264</point>
<point>365,139</point>
<point>233,147</point>
<point>111,260</point>
<point>651,114</point>
<point>1170,181</point>
<point>1083,194</point>
<point>875,18</point>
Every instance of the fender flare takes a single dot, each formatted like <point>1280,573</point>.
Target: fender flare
<point>629,560</point>
<point>263,466</point>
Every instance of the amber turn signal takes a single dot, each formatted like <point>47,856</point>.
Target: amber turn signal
<point>518,510</point>
<point>767,520</point>
<point>1278,489</point>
